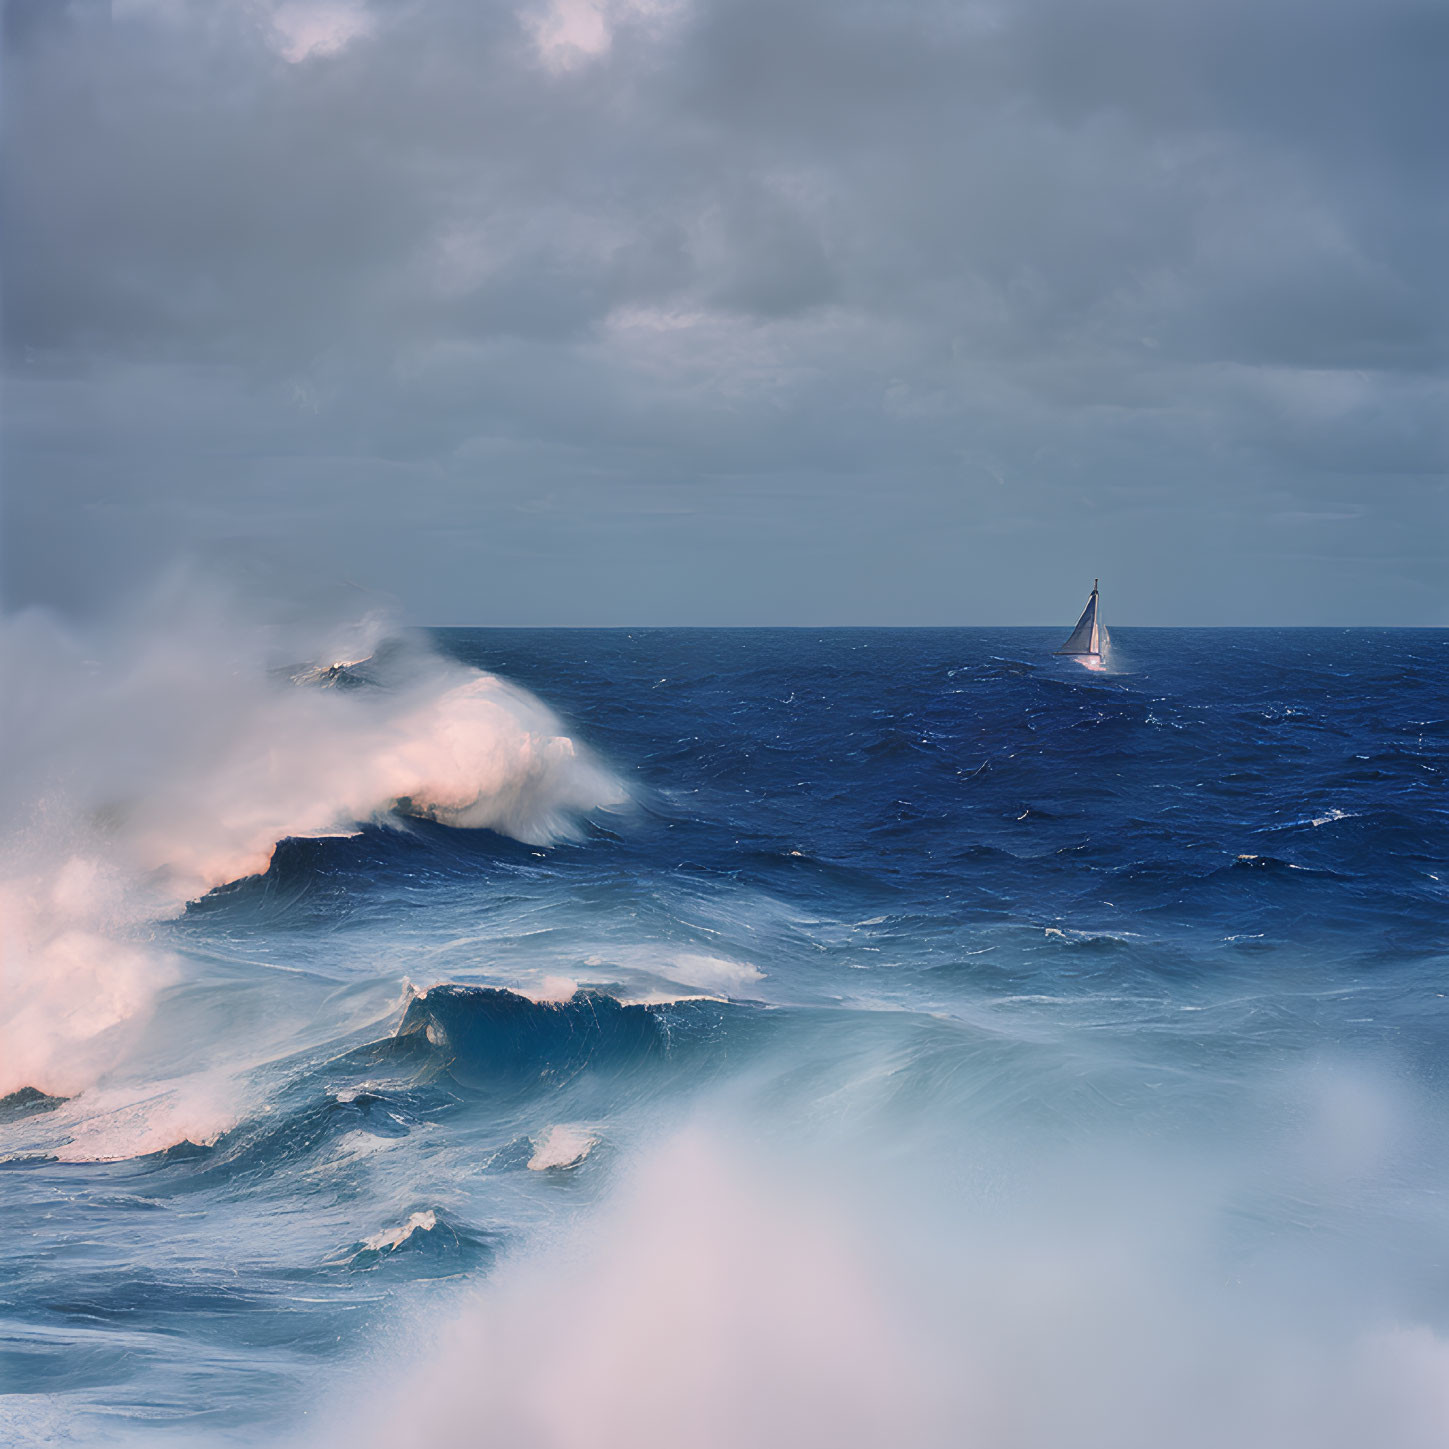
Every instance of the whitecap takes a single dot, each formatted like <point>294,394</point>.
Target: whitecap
<point>390,1238</point>
<point>562,1145</point>
<point>117,1125</point>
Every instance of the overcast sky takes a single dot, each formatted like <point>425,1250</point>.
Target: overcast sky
<point>736,311</point>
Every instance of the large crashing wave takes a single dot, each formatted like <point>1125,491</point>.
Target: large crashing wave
<point>170,751</point>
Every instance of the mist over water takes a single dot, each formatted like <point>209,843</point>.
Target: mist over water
<point>574,1038</point>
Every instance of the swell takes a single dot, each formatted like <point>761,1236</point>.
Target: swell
<point>504,1044</point>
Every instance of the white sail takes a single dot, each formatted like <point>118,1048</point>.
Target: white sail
<point>1089,637</point>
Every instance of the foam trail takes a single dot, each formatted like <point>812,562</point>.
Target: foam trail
<point>703,972</point>
<point>167,753</point>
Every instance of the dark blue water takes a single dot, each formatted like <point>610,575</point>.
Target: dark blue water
<point>1100,1021</point>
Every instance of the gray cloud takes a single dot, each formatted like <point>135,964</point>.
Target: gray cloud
<point>808,310</point>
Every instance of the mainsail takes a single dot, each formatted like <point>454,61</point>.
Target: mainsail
<point>1089,637</point>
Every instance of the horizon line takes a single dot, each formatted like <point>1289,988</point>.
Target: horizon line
<point>1200,628</point>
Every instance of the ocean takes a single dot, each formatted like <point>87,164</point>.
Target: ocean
<point>867,1037</point>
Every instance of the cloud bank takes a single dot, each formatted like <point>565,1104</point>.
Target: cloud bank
<point>674,311</point>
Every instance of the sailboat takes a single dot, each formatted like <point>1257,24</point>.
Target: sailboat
<point>1088,642</point>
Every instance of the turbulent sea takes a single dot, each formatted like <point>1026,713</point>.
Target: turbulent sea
<point>727,1037</point>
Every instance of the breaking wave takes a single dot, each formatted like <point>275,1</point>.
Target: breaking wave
<point>169,753</point>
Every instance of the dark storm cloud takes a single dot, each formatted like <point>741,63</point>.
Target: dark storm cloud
<point>805,309</point>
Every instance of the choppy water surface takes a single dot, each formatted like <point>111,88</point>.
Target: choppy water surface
<point>868,1036</point>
